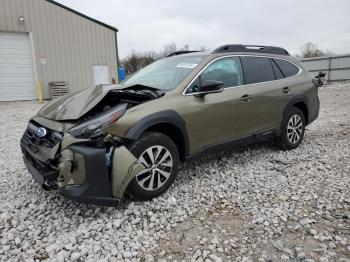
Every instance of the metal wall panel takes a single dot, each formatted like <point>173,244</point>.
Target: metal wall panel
<point>17,80</point>
<point>66,45</point>
<point>313,65</point>
<point>340,62</point>
<point>339,75</point>
<point>337,67</point>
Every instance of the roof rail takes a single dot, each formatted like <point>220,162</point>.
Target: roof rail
<point>181,53</point>
<point>251,48</point>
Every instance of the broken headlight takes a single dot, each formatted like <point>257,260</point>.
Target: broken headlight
<point>94,127</point>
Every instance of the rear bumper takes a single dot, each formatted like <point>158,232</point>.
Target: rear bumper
<point>96,188</point>
<point>315,112</point>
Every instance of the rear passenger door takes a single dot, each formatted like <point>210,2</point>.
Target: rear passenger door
<point>266,95</point>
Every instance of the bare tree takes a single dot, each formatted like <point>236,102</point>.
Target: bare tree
<point>310,50</point>
<point>172,48</point>
<point>137,60</point>
<point>131,62</point>
<point>186,48</point>
<point>167,50</point>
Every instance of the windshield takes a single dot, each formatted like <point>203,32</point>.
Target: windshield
<point>166,73</point>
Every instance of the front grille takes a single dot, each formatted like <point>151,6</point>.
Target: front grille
<point>34,143</point>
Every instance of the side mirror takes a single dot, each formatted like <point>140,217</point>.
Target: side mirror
<point>209,87</point>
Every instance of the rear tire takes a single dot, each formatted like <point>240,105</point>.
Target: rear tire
<point>158,153</point>
<point>292,130</point>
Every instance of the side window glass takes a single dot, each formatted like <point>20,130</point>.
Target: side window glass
<point>277,70</point>
<point>227,70</point>
<point>257,69</point>
<point>287,68</point>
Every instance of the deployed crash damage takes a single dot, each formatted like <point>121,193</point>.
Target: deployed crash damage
<point>96,100</point>
<point>108,141</point>
<point>65,147</point>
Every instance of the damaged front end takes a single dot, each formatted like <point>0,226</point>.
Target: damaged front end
<point>76,157</point>
<point>86,176</point>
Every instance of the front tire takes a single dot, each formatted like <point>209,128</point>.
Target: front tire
<point>293,129</point>
<point>160,156</point>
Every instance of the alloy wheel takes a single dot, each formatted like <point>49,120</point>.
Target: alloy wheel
<point>295,129</point>
<point>158,163</point>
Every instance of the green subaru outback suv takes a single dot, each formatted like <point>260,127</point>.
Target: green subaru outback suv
<point>96,145</point>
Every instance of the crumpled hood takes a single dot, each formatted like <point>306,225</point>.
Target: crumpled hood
<point>73,106</point>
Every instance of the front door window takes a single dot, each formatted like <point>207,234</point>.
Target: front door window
<point>227,70</point>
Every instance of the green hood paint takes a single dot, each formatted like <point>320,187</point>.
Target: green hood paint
<point>73,106</point>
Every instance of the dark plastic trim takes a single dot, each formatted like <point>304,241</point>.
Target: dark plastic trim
<point>313,118</point>
<point>293,101</point>
<point>36,174</point>
<point>31,164</point>
<point>166,117</point>
<point>96,188</point>
<point>228,144</point>
<point>82,15</point>
<point>181,53</point>
<point>251,49</point>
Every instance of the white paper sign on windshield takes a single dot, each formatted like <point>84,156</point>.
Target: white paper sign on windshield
<point>187,65</point>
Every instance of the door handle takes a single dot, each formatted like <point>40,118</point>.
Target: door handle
<point>246,98</point>
<point>286,90</point>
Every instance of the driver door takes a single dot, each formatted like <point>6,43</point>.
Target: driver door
<point>218,117</point>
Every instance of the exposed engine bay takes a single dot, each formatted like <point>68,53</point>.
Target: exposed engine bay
<point>132,96</point>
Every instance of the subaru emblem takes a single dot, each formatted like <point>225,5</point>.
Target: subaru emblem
<point>41,132</point>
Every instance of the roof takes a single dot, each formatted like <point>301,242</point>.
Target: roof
<point>238,49</point>
<point>82,15</point>
<point>211,56</point>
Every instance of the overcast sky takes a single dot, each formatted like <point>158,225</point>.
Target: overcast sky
<point>150,24</point>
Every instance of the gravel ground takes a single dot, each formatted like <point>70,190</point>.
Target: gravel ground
<point>250,204</point>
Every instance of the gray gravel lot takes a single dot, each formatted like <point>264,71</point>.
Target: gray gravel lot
<point>254,203</point>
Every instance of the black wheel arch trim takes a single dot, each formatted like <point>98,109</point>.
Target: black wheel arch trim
<point>295,100</point>
<point>163,117</point>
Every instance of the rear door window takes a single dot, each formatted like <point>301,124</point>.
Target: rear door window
<point>277,70</point>
<point>257,69</point>
<point>287,68</point>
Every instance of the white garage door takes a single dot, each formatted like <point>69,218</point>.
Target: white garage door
<point>16,68</point>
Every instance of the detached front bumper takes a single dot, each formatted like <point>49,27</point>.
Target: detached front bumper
<point>96,187</point>
<point>39,177</point>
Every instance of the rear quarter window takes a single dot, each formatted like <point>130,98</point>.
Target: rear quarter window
<point>287,68</point>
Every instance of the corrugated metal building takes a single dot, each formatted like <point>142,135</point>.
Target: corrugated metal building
<point>337,67</point>
<point>42,41</point>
